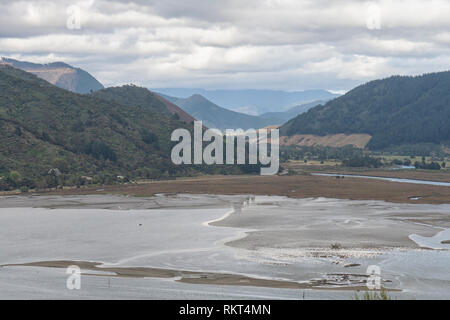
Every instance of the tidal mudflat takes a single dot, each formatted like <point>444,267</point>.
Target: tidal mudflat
<point>211,246</point>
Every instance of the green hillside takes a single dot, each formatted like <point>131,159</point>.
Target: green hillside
<point>43,127</point>
<point>395,111</point>
<point>135,96</point>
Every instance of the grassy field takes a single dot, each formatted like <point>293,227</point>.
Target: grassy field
<point>314,163</point>
<point>389,158</point>
<point>299,166</point>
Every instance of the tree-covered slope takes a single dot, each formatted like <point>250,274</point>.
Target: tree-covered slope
<point>44,127</point>
<point>394,111</point>
<point>132,95</point>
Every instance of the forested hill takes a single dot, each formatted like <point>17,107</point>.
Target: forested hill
<point>50,136</point>
<point>44,127</point>
<point>132,95</point>
<point>395,111</point>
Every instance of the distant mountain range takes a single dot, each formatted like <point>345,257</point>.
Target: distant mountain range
<point>395,111</point>
<point>255,102</point>
<point>292,112</point>
<point>40,122</point>
<point>60,74</point>
<point>217,117</point>
<point>214,116</point>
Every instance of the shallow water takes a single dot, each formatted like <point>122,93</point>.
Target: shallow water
<point>415,181</point>
<point>184,235</point>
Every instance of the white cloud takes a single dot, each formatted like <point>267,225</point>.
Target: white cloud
<point>285,44</point>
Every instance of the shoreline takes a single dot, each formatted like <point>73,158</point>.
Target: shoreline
<point>341,269</point>
<point>295,186</point>
<point>206,278</point>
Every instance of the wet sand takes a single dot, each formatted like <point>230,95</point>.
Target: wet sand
<point>213,241</point>
<point>298,186</point>
<point>357,281</point>
<point>320,223</point>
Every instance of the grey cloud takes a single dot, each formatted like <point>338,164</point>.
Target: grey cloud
<point>282,44</point>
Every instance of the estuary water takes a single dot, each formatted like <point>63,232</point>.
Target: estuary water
<point>415,181</point>
<point>258,237</point>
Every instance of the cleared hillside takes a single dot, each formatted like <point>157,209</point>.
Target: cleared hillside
<point>60,74</point>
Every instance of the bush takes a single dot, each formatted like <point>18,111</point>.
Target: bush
<point>367,161</point>
<point>427,166</point>
<point>336,246</point>
<point>100,150</point>
<point>150,139</point>
<point>382,295</point>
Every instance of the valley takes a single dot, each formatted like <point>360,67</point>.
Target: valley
<point>88,180</point>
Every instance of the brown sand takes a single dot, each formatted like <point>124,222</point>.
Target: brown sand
<point>202,277</point>
<point>299,186</point>
<point>440,176</point>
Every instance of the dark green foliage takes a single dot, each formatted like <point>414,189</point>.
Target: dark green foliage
<point>319,153</point>
<point>395,111</point>
<point>18,131</point>
<point>418,149</point>
<point>100,150</point>
<point>359,162</point>
<point>88,138</point>
<point>149,137</point>
<point>40,123</point>
<point>133,96</point>
<point>428,166</point>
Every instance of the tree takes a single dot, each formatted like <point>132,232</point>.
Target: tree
<point>18,131</point>
<point>14,179</point>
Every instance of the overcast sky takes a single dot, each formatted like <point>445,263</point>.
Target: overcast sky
<point>276,44</point>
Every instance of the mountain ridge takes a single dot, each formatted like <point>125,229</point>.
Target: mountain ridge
<point>60,74</point>
<point>141,97</point>
<point>398,110</point>
<point>214,116</point>
<point>292,112</point>
<point>44,127</point>
<point>252,101</point>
